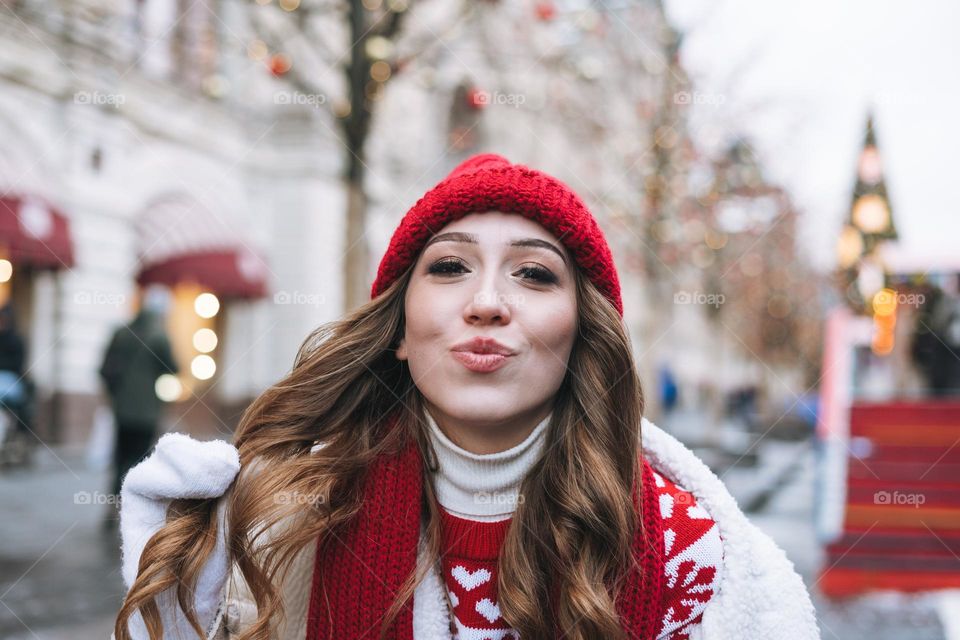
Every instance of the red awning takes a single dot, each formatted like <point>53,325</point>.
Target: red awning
<point>182,239</point>
<point>34,233</point>
<point>231,273</point>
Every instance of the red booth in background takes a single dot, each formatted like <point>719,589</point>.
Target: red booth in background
<point>901,520</point>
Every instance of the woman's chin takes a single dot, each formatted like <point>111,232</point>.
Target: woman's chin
<point>493,409</point>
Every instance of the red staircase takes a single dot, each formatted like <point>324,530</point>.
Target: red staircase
<point>902,517</point>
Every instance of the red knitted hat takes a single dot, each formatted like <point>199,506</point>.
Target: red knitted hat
<point>488,182</point>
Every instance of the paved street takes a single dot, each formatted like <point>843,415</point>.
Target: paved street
<point>788,519</point>
<point>59,572</point>
<point>781,485</point>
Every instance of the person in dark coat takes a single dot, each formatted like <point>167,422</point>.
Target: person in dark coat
<point>16,392</point>
<point>936,342</point>
<point>139,352</point>
<point>12,348</point>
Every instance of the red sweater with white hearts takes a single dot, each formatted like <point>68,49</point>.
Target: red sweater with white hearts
<point>478,494</point>
<point>693,559</point>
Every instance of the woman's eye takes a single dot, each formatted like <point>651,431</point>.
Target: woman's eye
<point>539,274</point>
<point>452,267</point>
<point>446,267</point>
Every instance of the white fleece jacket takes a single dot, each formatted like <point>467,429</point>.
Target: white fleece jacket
<point>179,467</point>
<point>760,596</point>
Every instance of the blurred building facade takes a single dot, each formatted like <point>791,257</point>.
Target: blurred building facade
<point>145,125</point>
<point>207,146</point>
<point>597,96</point>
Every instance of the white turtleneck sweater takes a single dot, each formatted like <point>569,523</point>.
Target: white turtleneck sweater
<point>483,487</point>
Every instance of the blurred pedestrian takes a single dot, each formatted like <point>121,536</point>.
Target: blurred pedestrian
<point>15,390</point>
<point>936,342</point>
<point>669,391</point>
<point>138,353</point>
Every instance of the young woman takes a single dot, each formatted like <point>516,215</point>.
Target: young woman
<point>463,456</point>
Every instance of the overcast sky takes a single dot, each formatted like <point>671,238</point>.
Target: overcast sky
<point>798,78</point>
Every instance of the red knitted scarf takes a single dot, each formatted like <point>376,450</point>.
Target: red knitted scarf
<point>366,562</point>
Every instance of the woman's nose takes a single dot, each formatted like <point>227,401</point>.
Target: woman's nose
<point>488,305</point>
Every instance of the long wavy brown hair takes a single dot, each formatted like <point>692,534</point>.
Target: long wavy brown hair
<point>572,531</point>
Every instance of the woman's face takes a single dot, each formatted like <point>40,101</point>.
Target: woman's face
<point>490,276</point>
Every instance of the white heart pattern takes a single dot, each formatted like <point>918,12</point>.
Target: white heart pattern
<point>468,580</point>
<point>488,610</point>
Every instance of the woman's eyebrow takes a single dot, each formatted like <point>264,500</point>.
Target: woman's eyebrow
<point>537,242</point>
<point>459,236</point>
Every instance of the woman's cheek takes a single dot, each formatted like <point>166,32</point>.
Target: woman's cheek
<point>427,351</point>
